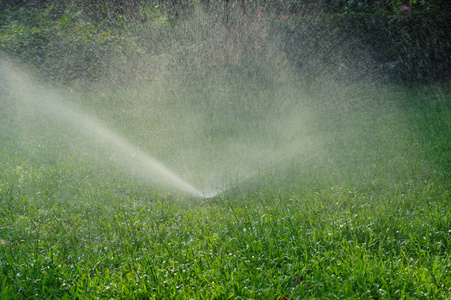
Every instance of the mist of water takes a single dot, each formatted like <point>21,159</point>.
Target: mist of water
<point>209,120</point>
<point>51,105</point>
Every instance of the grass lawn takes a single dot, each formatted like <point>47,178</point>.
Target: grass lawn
<point>353,203</point>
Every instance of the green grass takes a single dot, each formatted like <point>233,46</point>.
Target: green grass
<point>332,189</point>
<point>367,216</point>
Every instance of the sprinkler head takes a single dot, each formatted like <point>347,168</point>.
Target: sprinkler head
<point>210,194</point>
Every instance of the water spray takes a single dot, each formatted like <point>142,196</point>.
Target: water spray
<point>141,162</point>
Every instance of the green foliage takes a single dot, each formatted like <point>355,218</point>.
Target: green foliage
<point>153,13</point>
<point>64,51</point>
<point>407,46</point>
<point>401,46</point>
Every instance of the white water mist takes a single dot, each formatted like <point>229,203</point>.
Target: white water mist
<point>52,105</point>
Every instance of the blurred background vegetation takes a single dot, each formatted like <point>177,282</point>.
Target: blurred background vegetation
<point>81,42</point>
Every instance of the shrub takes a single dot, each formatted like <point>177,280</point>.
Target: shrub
<point>409,46</point>
<point>67,52</point>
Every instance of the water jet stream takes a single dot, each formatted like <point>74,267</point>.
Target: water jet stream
<point>47,103</point>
